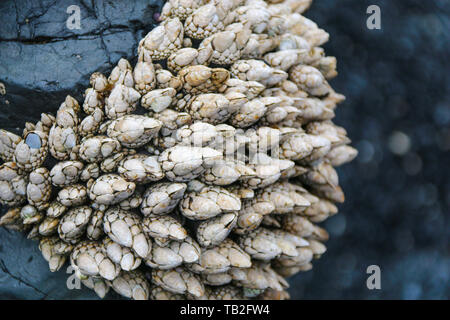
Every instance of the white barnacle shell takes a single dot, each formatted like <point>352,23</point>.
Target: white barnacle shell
<point>161,198</point>
<point>184,163</point>
<point>159,99</point>
<point>133,131</point>
<point>31,152</point>
<point>140,168</point>
<point>110,189</point>
<point>122,100</point>
<point>159,43</point>
<point>8,143</point>
<point>97,148</point>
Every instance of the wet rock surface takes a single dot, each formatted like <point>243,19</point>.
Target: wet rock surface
<point>42,60</point>
<point>397,113</point>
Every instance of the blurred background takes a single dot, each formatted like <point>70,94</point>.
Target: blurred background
<point>397,113</point>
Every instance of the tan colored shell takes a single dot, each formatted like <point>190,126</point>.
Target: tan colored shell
<point>189,57</point>
<point>204,21</point>
<point>121,74</point>
<point>202,79</point>
<point>73,224</point>
<point>208,203</point>
<point>159,99</point>
<point>88,260</point>
<point>163,40</point>
<point>228,292</point>
<point>56,209</point>
<point>144,76</point>
<point>179,280</point>
<point>158,293</point>
<point>62,141</point>
<point>94,229</point>
<point>327,66</point>
<point>39,188</point>
<point>98,82</point>
<point>110,189</point>
<point>125,228</point>
<point>164,227</point>
<point>110,164</point>
<point>260,244</point>
<point>341,155</point>
<point>255,17</point>
<point>302,227</point>
<point>256,70</point>
<point>99,285</point>
<point>63,138</point>
<point>310,80</point>
<point>287,58</point>
<point>252,214</point>
<point>12,220</point>
<point>133,131</point>
<point>260,277</point>
<point>8,143</point>
<point>91,123</point>
<point>171,120</point>
<point>93,100</point>
<point>90,171</point>
<point>165,79</point>
<point>248,114</point>
<point>131,284</point>
<point>327,129</point>
<point>179,8</point>
<point>97,148</point>
<point>225,172</point>
<point>304,27</point>
<point>173,254</point>
<point>30,215</point>
<point>132,202</point>
<point>221,258</point>
<point>198,134</point>
<point>162,198</point>
<point>121,255</point>
<point>13,184</point>
<point>210,107</point>
<point>226,46</point>
<point>213,231</point>
<point>72,195</point>
<point>47,248</point>
<point>31,152</point>
<point>268,170</point>
<point>121,101</point>
<point>183,163</point>
<point>65,173</point>
<point>140,168</point>
<point>48,226</point>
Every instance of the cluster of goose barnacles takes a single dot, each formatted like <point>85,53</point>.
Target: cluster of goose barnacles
<point>201,177</point>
